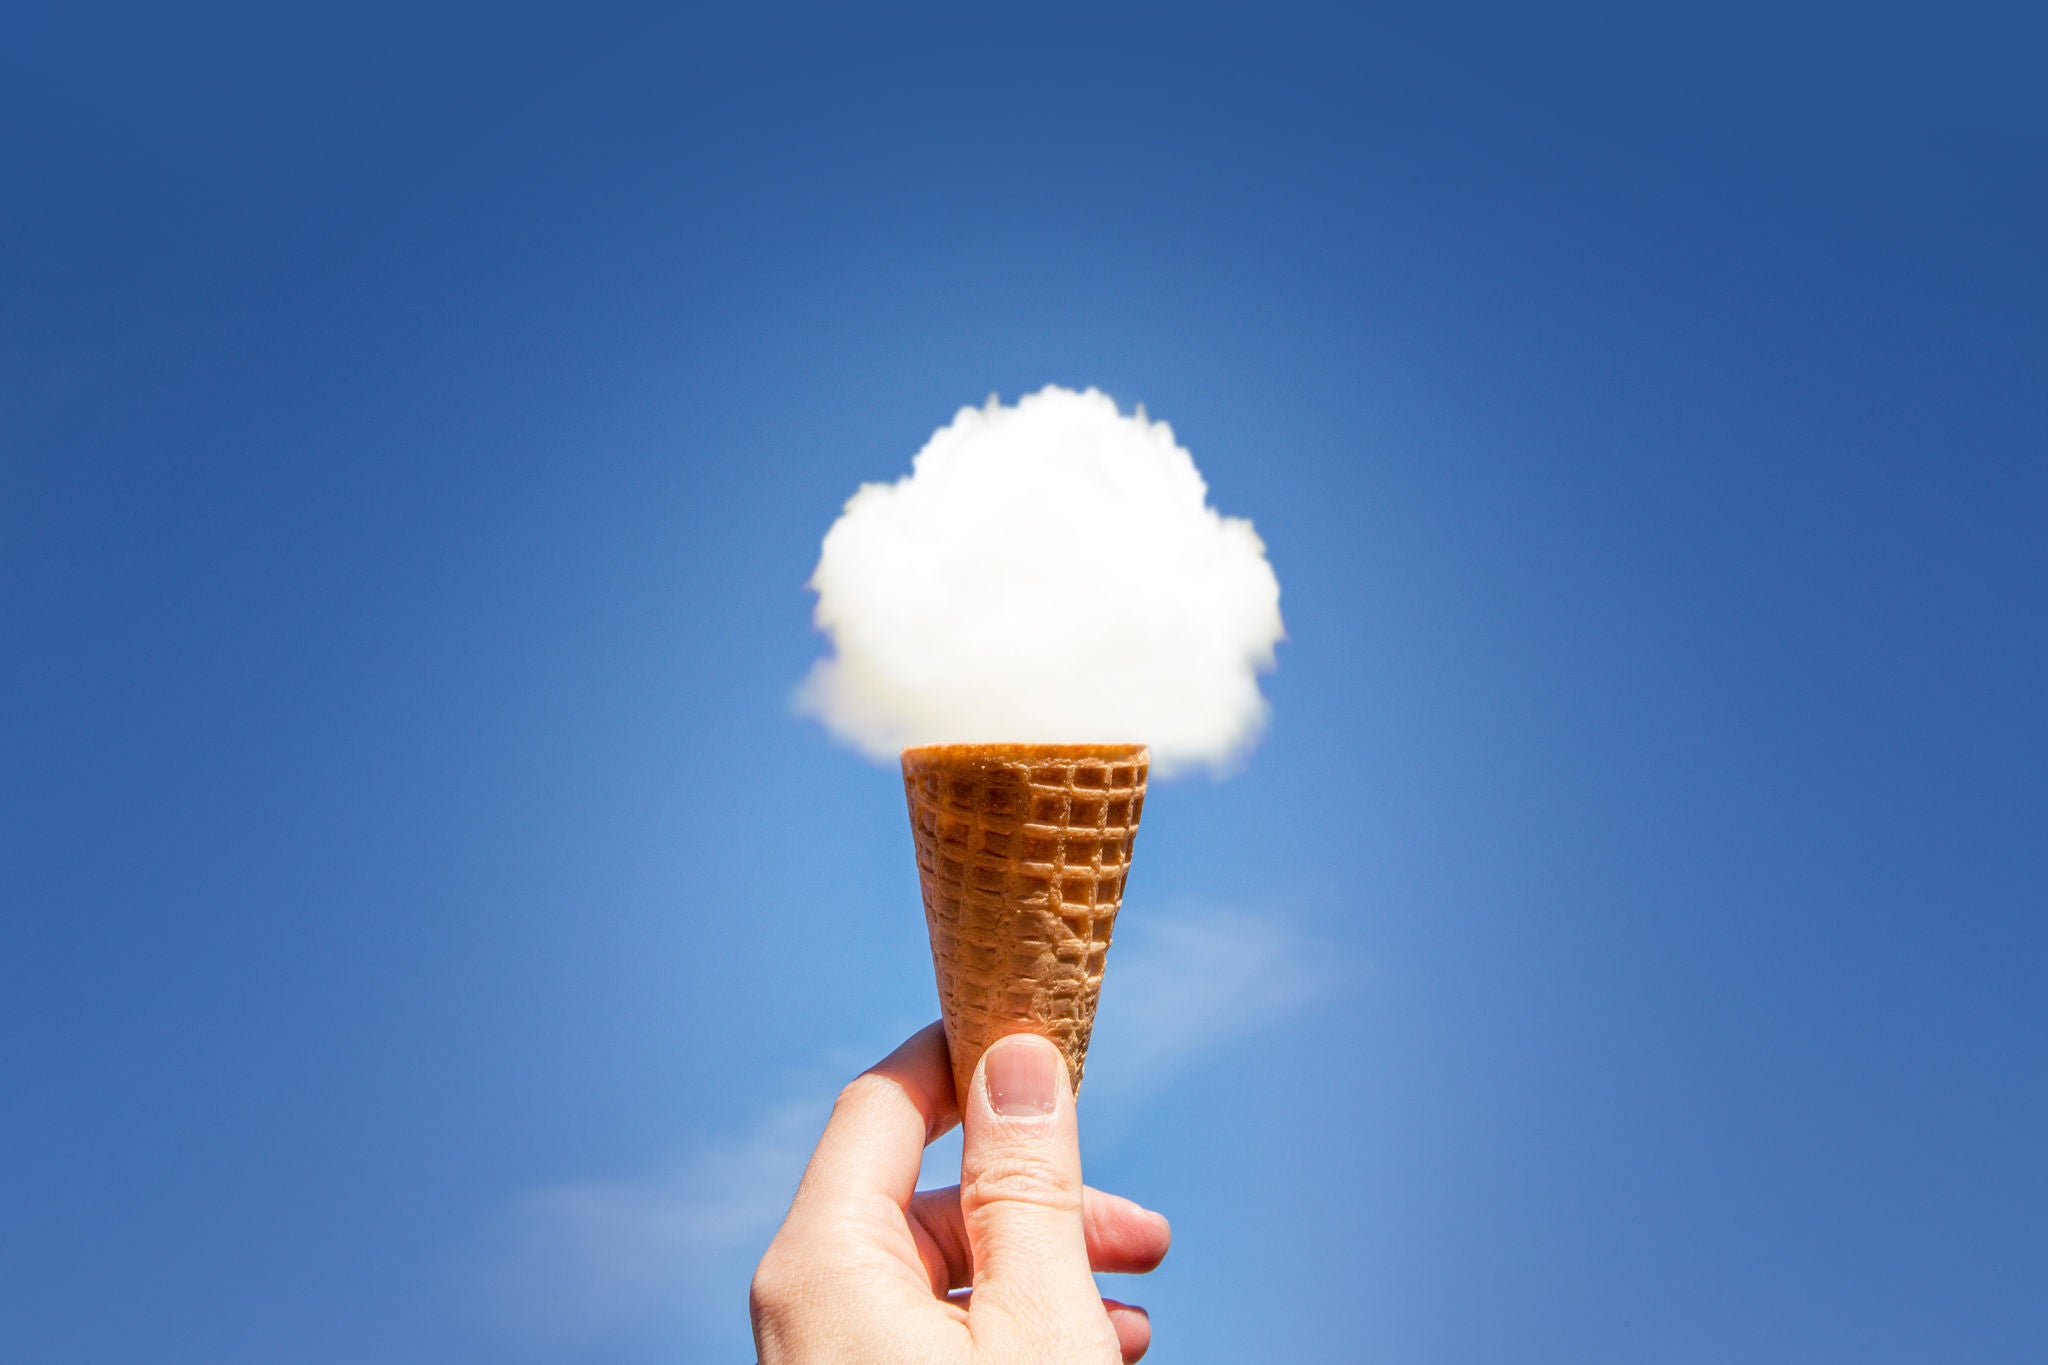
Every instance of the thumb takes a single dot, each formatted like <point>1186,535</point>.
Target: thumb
<point>1020,1199</point>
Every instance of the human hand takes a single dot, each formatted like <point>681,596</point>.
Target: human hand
<point>867,1272</point>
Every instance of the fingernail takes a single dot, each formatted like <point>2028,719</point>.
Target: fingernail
<point>1023,1077</point>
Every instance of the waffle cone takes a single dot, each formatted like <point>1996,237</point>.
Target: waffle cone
<point>1022,851</point>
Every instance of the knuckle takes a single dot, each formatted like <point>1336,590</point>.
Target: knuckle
<point>1021,1178</point>
<point>770,1288</point>
<point>778,1283</point>
<point>859,1092</point>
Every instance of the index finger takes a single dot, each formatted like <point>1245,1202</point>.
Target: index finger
<point>881,1124</point>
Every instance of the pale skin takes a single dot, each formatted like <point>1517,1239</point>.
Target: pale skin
<point>996,1271</point>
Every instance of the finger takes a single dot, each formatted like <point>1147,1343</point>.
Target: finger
<point>875,1140</point>
<point>1123,1237</point>
<point>1133,1328</point>
<point>1020,1191</point>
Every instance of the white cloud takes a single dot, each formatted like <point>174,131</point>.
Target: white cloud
<point>1047,572</point>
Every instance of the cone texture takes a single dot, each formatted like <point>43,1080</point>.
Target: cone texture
<point>1022,850</point>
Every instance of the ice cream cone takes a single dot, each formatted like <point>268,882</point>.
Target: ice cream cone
<point>1022,850</point>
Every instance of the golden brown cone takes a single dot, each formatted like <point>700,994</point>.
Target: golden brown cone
<point>1022,850</point>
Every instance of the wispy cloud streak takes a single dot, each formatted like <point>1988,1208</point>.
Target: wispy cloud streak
<point>1182,984</point>
<point>667,1254</point>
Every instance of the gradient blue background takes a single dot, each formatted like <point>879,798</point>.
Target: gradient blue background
<point>416,429</point>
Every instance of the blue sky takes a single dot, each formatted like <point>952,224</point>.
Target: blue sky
<point>429,934</point>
